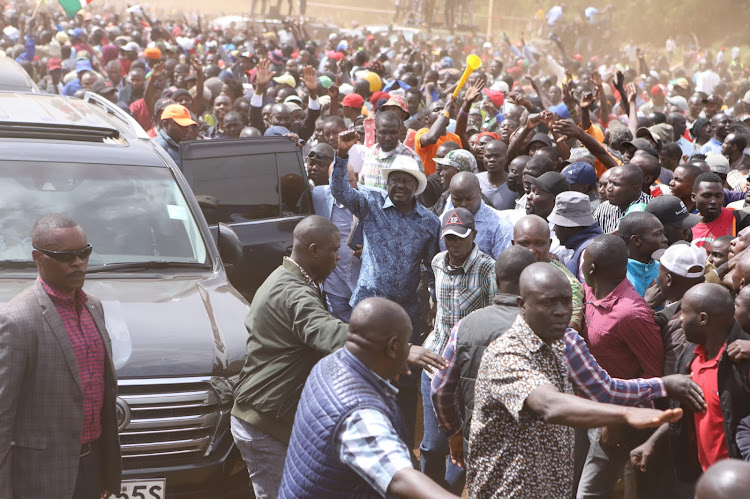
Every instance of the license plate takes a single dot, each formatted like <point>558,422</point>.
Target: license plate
<point>142,489</point>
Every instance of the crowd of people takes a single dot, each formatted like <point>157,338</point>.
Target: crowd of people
<point>553,257</point>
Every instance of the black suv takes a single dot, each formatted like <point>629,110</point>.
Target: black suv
<point>259,188</point>
<point>176,323</point>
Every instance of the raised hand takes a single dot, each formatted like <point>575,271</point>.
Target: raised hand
<point>567,95</point>
<point>630,92</point>
<point>533,120</point>
<point>588,98</point>
<point>310,78</point>
<point>263,76</point>
<point>474,91</point>
<point>596,78</point>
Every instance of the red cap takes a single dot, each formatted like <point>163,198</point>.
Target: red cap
<point>353,100</point>
<point>657,90</point>
<point>53,64</point>
<point>497,96</point>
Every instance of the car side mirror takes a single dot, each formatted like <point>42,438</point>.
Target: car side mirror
<point>230,247</point>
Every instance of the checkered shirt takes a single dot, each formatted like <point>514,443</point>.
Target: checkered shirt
<point>375,161</point>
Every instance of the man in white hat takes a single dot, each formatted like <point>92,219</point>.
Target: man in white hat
<point>399,236</point>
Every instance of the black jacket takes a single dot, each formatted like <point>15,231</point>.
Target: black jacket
<point>734,393</point>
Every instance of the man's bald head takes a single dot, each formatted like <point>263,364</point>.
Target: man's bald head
<point>727,479</point>
<point>631,173</point>
<point>466,191</point>
<point>546,301</point>
<point>649,166</point>
<point>605,260</point>
<point>313,229</point>
<point>712,299</point>
<point>531,224</point>
<point>379,333</point>
<point>741,272</point>
<point>509,266</point>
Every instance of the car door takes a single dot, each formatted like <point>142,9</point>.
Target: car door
<point>257,186</point>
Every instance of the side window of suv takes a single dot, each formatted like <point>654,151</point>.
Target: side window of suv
<point>295,199</point>
<point>231,190</point>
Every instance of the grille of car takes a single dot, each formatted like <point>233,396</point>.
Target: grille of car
<point>169,421</point>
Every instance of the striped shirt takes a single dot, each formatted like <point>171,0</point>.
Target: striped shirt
<point>459,291</point>
<point>376,159</point>
<point>609,215</point>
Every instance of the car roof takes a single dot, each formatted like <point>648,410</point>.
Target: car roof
<point>14,78</point>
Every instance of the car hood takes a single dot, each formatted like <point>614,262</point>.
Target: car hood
<point>177,326</point>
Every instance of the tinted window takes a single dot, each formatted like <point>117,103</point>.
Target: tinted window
<point>233,189</point>
<point>294,187</point>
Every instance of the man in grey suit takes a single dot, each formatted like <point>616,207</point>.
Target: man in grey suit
<point>58,429</point>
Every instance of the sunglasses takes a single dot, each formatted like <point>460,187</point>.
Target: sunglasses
<point>67,256</point>
<point>317,155</point>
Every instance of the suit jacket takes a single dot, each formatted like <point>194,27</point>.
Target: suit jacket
<point>41,401</point>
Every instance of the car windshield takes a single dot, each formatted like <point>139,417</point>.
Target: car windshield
<point>130,213</point>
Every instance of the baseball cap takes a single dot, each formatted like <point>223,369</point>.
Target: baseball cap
<point>682,259</point>
<point>131,47</point>
<point>458,222</point>
<point>103,87</point>
<point>572,209</point>
<point>642,145</point>
<point>353,100</point>
<point>496,96</point>
<point>179,114</point>
<point>461,159</point>
<point>552,182</point>
<point>325,81</point>
<point>500,86</point>
<point>152,53</point>
<point>580,173</point>
<point>718,163</point>
<point>53,64</point>
<point>671,211</point>
<point>286,80</point>
<point>77,32</point>
<point>83,65</point>
<point>679,101</point>
<point>541,137</point>
<point>293,98</point>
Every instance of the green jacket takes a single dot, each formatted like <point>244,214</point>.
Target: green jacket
<point>290,331</point>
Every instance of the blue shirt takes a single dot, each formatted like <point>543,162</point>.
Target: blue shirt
<point>343,279</point>
<point>396,243</point>
<point>72,87</point>
<point>641,275</point>
<point>169,145</point>
<point>494,231</point>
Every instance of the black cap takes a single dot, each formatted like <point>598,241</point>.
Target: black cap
<point>541,137</point>
<point>642,145</point>
<point>457,221</point>
<point>552,182</point>
<point>671,211</point>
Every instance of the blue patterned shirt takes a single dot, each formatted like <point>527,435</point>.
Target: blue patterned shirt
<point>396,244</point>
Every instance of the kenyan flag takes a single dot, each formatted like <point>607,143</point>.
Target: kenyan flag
<point>71,7</point>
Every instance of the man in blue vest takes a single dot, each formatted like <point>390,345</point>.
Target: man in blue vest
<point>348,438</point>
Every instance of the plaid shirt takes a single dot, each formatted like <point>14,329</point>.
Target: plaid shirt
<point>376,160</point>
<point>369,445</point>
<point>584,372</point>
<point>459,291</point>
<point>88,349</point>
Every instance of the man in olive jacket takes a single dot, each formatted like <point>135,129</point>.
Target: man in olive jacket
<point>290,330</point>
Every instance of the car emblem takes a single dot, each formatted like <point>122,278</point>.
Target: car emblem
<point>122,411</point>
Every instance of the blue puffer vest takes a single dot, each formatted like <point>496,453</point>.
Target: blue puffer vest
<point>338,384</point>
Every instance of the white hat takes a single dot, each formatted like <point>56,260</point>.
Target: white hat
<point>499,86</point>
<point>681,257</point>
<point>131,47</point>
<point>679,101</point>
<point>407,164</point>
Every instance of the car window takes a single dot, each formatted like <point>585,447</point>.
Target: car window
<point>129,213</point>
<point>232,189</point>
<point>294,190</point>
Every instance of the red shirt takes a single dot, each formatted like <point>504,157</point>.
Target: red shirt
<point>622,334</point>
<point>88,349</point>
<point>141,113</point>
<point>724,225</point>
<point>709,425</point>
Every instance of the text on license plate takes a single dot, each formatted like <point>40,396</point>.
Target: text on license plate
<point>142,489</point>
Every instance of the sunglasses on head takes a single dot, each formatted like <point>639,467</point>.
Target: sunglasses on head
<point>317,155</point>
<point>67,256</point>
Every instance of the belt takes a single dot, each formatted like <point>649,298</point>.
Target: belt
<point>86,448</point>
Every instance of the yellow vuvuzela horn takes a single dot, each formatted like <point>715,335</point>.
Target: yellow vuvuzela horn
<point>473,62</point>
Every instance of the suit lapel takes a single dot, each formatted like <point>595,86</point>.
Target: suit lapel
<point>99,321</point>
<point>58,330</point>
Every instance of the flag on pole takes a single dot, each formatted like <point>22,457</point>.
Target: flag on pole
<point>71,7</point>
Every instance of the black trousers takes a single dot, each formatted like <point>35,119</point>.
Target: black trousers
<point>89,477</point>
